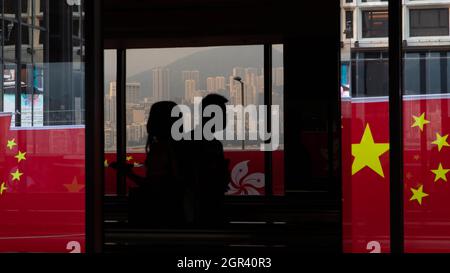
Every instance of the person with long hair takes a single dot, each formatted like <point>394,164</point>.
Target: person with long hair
<point>158,198</point>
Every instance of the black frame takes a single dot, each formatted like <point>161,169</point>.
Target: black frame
<point>94,133</point>
<point>395,126</point>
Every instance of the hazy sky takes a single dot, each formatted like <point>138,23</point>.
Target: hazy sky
<point>140,60</point>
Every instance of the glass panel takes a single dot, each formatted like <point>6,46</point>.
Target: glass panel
<point>365,137</point>
<point>278,101</point>
<point>428,22</point>
<point>26,14</point>
<point>39,40</point>
<point>11,34</point>
<point>184,74</point>
<point>426,126</point>
<point>348,24</point>
<point>370,74</point>
<point>27,52</point>
<point>412,73</point>
<point>374,23</point>
<point>110,108</point>
<point>9,88</point>
<point>10,9</point>
<point>42,144</point>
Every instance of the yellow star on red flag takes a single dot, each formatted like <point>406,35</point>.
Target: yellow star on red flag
<point>16,175</point>
<point>420,121</point>
<point>11,144</point>
<point>418,194</point>
<point>441,141</point>
<point>129,158</point>
<point>367,153</point>
<point>3,188</point>
<point>20,156</point>
<point>440,173</point>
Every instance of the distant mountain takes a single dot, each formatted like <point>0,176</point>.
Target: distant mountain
<point>218,61</point>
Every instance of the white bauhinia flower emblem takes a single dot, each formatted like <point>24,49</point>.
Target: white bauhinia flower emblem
<point>243,184</point>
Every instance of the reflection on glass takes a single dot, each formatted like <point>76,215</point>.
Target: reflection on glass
<point>42,149</point>
<point>278,99</point>
<point>365,129</point>
<point>428,22</point>
<point>180,75</point>
<point>426,165</point>
<point>374,23</point>
<point>10,8</point>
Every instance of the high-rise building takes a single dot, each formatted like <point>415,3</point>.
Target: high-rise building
<point>191,75</point>
<point>251,86</point>
<point>161,86</point>
<point>211,84</point>
<point>189,90</point>
<point>112,101</point>
<point>239,71</point>
<point>220,83</point>
<point>133,90</point>
<point>139,116</point>
<point>235,91</point>
<point>278,76</point>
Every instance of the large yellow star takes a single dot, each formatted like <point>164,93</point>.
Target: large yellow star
<point>11,144</point>
<point>440,173</point>
<point>440,141</point>
<point>420,121</point>
<point>367,153</point>
<point>106,163</point>
<point>3,188</point>
<point>418,194</point>
<point>20,156</point>
<point>16,175</point>
<point>129,158</point>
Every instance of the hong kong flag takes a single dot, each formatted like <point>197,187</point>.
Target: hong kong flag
<point>42,180</point>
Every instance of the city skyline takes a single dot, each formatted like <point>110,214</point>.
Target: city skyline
<point>138,109</point>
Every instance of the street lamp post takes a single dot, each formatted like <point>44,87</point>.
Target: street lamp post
<point>239,79</point>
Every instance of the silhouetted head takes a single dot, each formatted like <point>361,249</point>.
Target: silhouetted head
<point>218,100</point>
<point>160,121</point>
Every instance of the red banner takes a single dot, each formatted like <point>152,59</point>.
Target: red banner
<point>42,195</point>
<point>365,136</point>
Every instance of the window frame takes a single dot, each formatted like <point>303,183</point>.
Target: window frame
<point>121,144</point>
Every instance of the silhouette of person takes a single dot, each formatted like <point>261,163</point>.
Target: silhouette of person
<point>210,168</point>
<point>158,199</point>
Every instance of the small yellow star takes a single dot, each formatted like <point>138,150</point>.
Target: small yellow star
<point>418,194</point>
<point>74,186</point>
<point>3,188</point>
<point>16,175</point>
<point>417,157</point>
<point>129,158</point>
<point>11,144</point>
<point>441,141</point>
<point>440,173</point>
<point>20,156</point>
<point>105,163</point>
<point>420,121</point>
